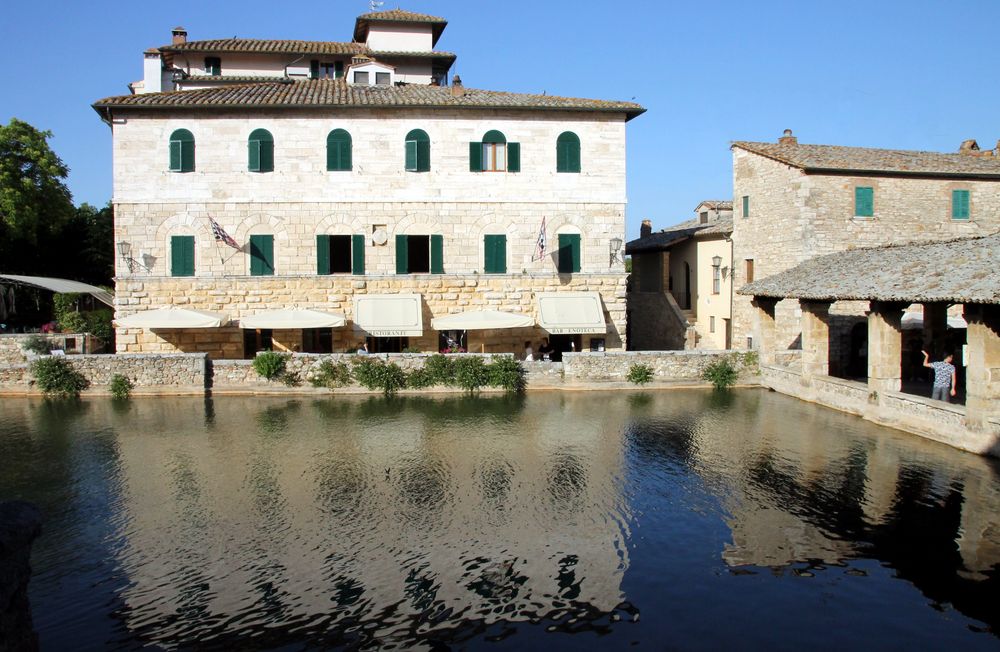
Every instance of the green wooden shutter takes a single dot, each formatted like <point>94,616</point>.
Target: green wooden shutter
<point>423,156</point>
<point>314,69</point>
<point>475,157</point>
<point>864,201</point>
<point>266,156</point>
<point>437,254</point>
<point>322,254</point>
<point>358,254</point>
<point>338,68</point>
<point>338,150</point>
<point>262,255</point>
<point>513,157</point>
<point>746,205</point>
<point>495,249</point>
<point>569,253</point>
<point>568,152</point>
<point>182,255</point>
<point>960,204</point>
<point>402,262</point>
<point>253,155</point>
<point>187,156</point>
<point>175,156</point>
<point>411,156</point>
<point>574,157</point>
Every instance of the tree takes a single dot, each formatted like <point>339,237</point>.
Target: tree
<point>35,203</point>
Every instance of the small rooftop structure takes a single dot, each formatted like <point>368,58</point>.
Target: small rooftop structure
<point>674,234</point>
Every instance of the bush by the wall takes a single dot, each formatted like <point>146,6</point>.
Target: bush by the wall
<point>471,373</point>
<point>440,369</point>
<point>639,374</point>
<point>121,387</point>
<point>372,373</point>
<point>331,375</point>
<point>722,373</point>
<point>507,373</point>
<point>270,364</point>
<point>55,375</point>
<point>38,344</point>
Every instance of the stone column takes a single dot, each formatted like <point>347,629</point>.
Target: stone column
<point>815,338</point>
<point>766,337</point>
<point>935,325</point>
<point>982,377</point>
<point>885,346</point>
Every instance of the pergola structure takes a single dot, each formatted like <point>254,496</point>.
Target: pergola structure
<point>936,275</point>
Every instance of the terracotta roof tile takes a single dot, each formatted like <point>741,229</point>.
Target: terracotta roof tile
<point>282,46</point>
<point>338,93</point>
<point>673,234</point>
<point>400,15</point>
<point>835,158</point>
<point>957,271</point>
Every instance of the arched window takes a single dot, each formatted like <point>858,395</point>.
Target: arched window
<point>494,154</point>
<point>260,151</point>
<point>338,150</point>
<point>568,152</point>
<point>418,151</point>
<point>182,151</point>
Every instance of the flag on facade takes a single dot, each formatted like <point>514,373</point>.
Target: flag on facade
<point>541,244</point>
<point>221,235</point>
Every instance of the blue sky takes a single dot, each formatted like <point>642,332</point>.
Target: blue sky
<point>919,74</point>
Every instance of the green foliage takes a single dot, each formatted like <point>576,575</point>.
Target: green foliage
<point>722,373</point>
<point>507,373</point>
<point>72,320</point>
<point>330,375</point>
<point>420,379</point>
<point>471,373</point>
<point>639,374</point>
<point>373,374</point>
<point>441,369</point>
<point>38,344</point>
<point>121,387</point>
<point>55,375</point>
<point>290,379</point>
<point>270,364</point>
<point>749,360</point>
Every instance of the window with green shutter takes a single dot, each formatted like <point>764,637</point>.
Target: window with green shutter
<point>182,255</point>
<point>494,154</point>
<point>338,150</point>
<point>262,255</point>
<point>418,151</point>
<point>746,205</point>
<point>314,69</point>
<point>569,253</point>
<point>182,151</point>
<point>437,254</point>
<point>213,66</point>
<point>959,204</point>
<point>358,255</point>
<point>340,254</point>
<point>260,151</point>
<point>864,201</point>
<point>568,152</point>
<point>419,254</point>
<point>495,254</point>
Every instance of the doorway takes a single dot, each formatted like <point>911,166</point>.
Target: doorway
<point>564,344</point>
<point>387,344</point>
<point>687,286</point>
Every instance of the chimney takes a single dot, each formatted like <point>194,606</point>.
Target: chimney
<point>788,139</point>
<point>646,229</point>
<point>179,35</point>
<point>457,90</point>
<point>968,147</point>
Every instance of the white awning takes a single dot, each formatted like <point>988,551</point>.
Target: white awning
<point>166,318</point>
<point>62,286</point>
<point>569,313</point>
<point>292,319</point>
<point>389,315</point>
<point>481,320</point>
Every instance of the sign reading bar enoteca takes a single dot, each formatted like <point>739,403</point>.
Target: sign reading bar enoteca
<point>389,315</point>
<point>571,313</point>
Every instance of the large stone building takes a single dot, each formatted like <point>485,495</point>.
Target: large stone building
<point>681,291</point>
<point>794,202</point>
<point>354,181</point>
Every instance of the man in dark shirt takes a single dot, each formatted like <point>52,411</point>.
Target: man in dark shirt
<point>944,377</point>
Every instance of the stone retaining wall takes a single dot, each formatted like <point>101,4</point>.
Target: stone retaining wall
<point>182,373</point>
<point>668,366</point>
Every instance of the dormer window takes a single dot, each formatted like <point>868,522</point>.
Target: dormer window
<point>365,72</point>
<point>361,77</point>
<point>213,66</point>
<point>382,79</point>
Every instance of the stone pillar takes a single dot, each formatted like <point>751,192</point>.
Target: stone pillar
<point>765,335</point>
<point>935,325</point>
<point>885,346</point>
<point>982,377</point>
<point>815,338</point>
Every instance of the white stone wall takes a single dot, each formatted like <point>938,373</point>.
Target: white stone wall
<point>396,37</point>
<point>141,157</point>
<point>795,217</point>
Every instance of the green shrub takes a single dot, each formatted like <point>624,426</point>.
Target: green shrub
<point>38,344</point>
<point>639,374</point>
<point>270,364</point>
<point>55,375</point>
<point>722,373</point>
<point>420,378</point>
<point>98,323</point>
<point>72,322</point>
<point>372,373</point>
<point>507,373</point>
<point>471,373</point>
<point>331,375</point>
<point>749,360</point>
<point>121,387</point>
<point>290,378</point>
<point>441,369</point>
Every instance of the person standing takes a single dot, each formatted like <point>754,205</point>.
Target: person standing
<point>944,377</point>
<point>528,353</point>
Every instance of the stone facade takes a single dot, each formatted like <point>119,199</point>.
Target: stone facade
<point>795,216</point>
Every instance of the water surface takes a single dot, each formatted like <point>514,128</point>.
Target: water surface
<point>680,520</point>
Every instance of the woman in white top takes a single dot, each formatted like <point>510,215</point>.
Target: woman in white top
<point>528,353</point>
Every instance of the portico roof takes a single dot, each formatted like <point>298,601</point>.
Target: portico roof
<point>955,271</point>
